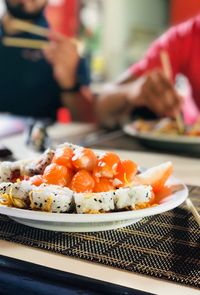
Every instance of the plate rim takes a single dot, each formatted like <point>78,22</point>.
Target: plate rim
<point>187,140</point>
<point>104,217</point>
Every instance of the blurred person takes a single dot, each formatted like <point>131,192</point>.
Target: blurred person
<point>36,82</point>
<point>145,86</point>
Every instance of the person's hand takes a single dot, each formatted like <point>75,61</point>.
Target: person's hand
<point>155,92</point>
<point>62,54</point>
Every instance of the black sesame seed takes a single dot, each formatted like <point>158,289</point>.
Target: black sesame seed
<point>45,201</point>
<point>40,205</point>
<point>35,203</point>
<point>69,204</point>
<point>58,207</point>
<point>100,201</point>
<point>78,206</point>
<point>95,200</point>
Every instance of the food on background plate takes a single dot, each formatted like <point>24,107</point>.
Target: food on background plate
<point>73,179</point>
<point>166,126</point>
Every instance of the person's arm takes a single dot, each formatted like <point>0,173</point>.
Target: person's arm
<point>152,90</point>
<point>144,84</point>
<point>72,75</point>
<point>112,104</point>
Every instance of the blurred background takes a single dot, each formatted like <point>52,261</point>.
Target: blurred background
<point>115,33</point>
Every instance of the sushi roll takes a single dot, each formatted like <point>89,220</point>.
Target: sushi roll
<point>8,170</point>
<point>129,198</point>
<point>15,194</point>
<point>121,199</point>
<point>51,198</point>
<point>14,170</point>
<point>94,203</point>
<point>37,167</point>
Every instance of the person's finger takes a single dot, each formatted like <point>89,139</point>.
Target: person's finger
<point>166,90</point>
<point>174,112</point>
<point>154,95</point>
<point>57,37</point>
<point>164,80</point>
<point>51,47</point>
<point>169,99</point>
<point>155,79</point>
<point>153,101</point>
<point>63,53</point>
<point>173,98</point>
<point>49,54</point>
<point>158,103</point>
<point>174,109</point>
<point>62,40</point>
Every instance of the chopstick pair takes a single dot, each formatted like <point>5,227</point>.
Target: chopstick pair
<point>167,68</point>
<point>29,43</point>
<point>26,43</point>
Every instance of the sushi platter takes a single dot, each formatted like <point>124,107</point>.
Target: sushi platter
<point>76,189</point>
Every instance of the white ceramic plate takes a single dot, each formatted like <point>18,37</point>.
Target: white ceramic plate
<point>95,222</point>
<point>167,142</point>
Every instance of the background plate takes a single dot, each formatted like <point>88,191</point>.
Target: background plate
<point>165,142</point>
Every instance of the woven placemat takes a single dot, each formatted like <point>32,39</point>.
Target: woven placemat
<point>166,246</point>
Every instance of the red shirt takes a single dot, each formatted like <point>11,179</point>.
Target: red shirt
<point>182,43</point>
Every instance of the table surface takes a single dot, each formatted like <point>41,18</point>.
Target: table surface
<point>187,169</point>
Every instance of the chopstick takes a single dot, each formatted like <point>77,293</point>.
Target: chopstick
<point>25,26</point>
<point>24,43</point>
<point>29,28</point>
<point>193,210</point>
<point>166,64</point>
<point>180,123</point>
<point>167,68</point>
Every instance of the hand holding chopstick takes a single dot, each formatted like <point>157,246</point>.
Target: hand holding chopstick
<point>28,27</point>
<point>60,51</point>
